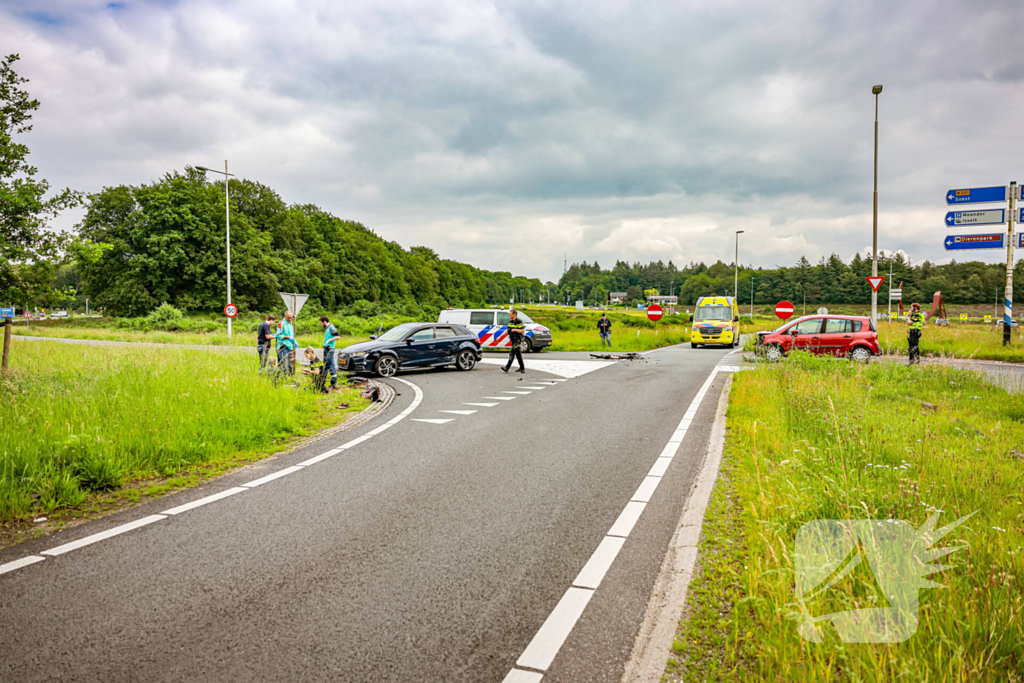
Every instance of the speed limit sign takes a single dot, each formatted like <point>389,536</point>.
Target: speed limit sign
<point>231,310</point>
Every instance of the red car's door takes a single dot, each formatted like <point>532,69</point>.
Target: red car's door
<point>807,335</point>
<point>837,337</point>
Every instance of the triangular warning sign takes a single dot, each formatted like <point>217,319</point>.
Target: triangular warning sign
<point>875,281</point>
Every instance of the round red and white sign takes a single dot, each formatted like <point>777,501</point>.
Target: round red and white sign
<point>784,309</point>
<point>231,310</point>
<point>654,312</point>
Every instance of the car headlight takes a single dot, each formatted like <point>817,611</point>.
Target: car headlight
<point>359,356</point>
<point>694,329</point>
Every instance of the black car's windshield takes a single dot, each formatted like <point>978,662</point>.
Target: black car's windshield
<point>398,332</point>
<point>721,313</point>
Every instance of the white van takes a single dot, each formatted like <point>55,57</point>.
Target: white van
<point>491,327</point>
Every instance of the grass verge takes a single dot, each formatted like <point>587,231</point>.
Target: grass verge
<point>817,438</point>
<point>82,422</point>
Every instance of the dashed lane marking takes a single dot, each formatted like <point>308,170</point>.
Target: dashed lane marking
<point>568,369</point>
<point>501,398</point>
<point>521,393</point>
<point>482,405</point>
<point>433,421</point>
<point>458,412</point>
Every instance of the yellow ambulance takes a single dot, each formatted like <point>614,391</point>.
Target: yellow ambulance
<point>716,320</point>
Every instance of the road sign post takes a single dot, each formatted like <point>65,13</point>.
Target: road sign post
<point>784,310</point>
<point>1008,296</point>
<point>7,314</point>
<point>654,312</point>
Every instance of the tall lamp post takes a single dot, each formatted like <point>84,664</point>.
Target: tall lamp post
<point>227,221</point>
<point>736,265</point>
<point>875,90</point>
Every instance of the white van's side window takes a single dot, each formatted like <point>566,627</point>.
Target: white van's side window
<point>503,317</point>
<point>481,318</point>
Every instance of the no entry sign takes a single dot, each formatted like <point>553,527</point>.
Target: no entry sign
<point>231,310</point>
<point>784,309</point>
<point>654,312</point>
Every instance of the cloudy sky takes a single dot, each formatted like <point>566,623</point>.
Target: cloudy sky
<point>506,134</point>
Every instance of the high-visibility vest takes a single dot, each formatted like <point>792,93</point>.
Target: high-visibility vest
<point>917,321</point>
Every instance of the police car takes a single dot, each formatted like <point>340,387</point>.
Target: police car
<point>491,328</point>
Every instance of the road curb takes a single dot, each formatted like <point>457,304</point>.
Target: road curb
<point>653,644</point>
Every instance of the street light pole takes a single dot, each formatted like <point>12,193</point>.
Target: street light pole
<point>874,216</point>
<point>227,222</point>
<point>736,268</point>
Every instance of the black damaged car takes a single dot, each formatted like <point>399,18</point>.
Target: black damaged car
<point>412,345</point>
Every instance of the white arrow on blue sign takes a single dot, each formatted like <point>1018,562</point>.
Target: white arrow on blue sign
<point>990,241</point>
<point>977,195</point>
<point>986,217</point>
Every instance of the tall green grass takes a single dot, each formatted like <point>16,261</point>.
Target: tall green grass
<point>79,419</point>
<point>818,438</point>
<point>983,342</point>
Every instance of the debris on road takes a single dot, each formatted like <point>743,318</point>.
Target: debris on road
<point>632,355</point>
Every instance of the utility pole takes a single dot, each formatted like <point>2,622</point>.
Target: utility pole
<point>875,90</point>
<point>1008,304</point>
<point>736,268</point>
<point>890,287</point>
<point>8,326</point>
<point>751,299</point>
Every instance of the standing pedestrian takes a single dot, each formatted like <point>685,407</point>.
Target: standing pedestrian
<point>263,337</point>
<point>331,338</point>
<point>604,326</point>
<point>515,335</point>
<point>915,321</point>
<point>286,344</point>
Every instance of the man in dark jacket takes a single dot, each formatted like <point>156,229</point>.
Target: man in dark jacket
<point>263,337</point>
<point>516,329</point>
<point>604,326</point>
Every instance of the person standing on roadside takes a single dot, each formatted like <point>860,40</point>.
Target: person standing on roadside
<point>263,337</point>
<point>516,328</point>
<point>331,338</point>
<point>915,321</point>
<point>604,326</point>
<point>286,344</point>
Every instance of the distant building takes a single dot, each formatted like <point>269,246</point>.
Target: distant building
<point>669,300</point>
<point>617,297</point>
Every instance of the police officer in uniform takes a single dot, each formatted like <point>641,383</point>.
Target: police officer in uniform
<point>915,321</point>
<point>515,335</point>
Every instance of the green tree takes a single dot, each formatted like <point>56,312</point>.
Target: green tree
<point>29,252</point>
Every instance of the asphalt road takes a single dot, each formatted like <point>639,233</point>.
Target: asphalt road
<point>432,551</point>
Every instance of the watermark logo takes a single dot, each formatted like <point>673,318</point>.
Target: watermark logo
<point>863,576</point>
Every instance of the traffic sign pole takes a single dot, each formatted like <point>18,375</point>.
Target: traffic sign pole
<point>1008,297</point>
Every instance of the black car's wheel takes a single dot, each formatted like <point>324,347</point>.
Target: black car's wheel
<point>466,360</point>
<point>386,366</point>
<point>694,345</point>
<point>525,345</point>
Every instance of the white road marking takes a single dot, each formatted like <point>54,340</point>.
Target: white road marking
<point>203,501</point>
<point>568,369</point>
<point>432,421</point>
<point>482,405</point>
<point>534,388</point>
<point>521,393</point>
<point>271,477</point>
<point>548,641</point>
<point>19,563</point>
<point>552,634</point>
<point>520,676</point>
<point>103,535</point>
<point>458,412</point>
<point>646,489</point>
<point>597,566</point>
<point>501,398</point>
<point>320,458</point>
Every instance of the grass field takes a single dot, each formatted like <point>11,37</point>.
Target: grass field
<point>982,342</point>
<point>79,420</point>
<point>819,438</point>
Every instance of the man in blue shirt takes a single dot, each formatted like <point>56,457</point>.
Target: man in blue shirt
<point>286,344</point>
<point>331,338</point>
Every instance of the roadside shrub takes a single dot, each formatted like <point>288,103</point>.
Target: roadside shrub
<point>164,314</point>
<point>98,473</point>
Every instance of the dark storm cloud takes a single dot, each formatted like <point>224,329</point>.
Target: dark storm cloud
<point>606,130</point>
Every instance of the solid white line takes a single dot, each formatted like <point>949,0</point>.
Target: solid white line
<point>660,465</point>
<point>203,501</point>
<point>271,477</point>
<point>432,420</point>
<point>18,564</point>
<point>355,442</point>
<point>627,518</point>
<point>597,566</point>
<point>670,449</point>
<point>548,640</point>
<point>482,405</point>
<point>646,489</point>
<point>378,430</point>
<point>103,535</point>
<point>520,676</point>
<point>320,458</point>
<point>501,398</point>
<point>458,412</point>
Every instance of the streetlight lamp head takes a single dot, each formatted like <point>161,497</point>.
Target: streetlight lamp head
<point>201,168</point>
<point>739,231</point>
<point>875,89</point>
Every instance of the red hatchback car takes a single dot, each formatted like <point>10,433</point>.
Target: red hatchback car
<point>847,336</point>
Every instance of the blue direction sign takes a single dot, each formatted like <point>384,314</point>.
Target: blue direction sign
<point>1020,219</point>
<point>986,217</point>
<point>6,313</point>
<point>977,195</point>
<point>992,241</point>
<point>1020,240</point>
